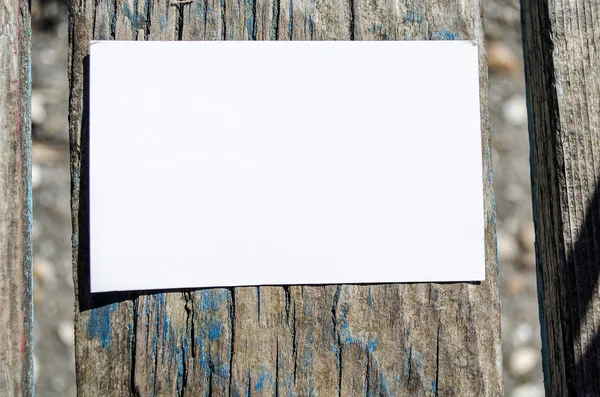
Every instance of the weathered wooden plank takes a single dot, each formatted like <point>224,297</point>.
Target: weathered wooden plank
<point>16,305</point>
<point>561,45</point>
<point>400,339</point>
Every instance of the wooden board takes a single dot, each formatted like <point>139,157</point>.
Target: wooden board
<point>16,305</point>
<point>334,340</point>
<point>562,47</point>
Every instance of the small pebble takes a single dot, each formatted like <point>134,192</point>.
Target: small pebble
<point>36,176</point>
<point>38,109</point>
<point>508,249</point>
<point>43,270</point>
<point>48,56</point>
<point>515,194</point>
<point>500,143</point>
<point>529,390</point>
<point>501,58</point>
<point>66,333</point>
<point>515,110</point>
<point>36,229</point>
<point>510,15</point>
<point>50,154</point>
<point>526,236</point>
<point>524,360</point>
<point>36,368</point>
<point>62,30</point>
<point>522,335</point>
<point>38,296</point>
<point>511,225</point>
<point>527,261</point>
<point>514,285</point>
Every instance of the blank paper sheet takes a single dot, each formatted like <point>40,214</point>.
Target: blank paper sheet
<point>267,163</point>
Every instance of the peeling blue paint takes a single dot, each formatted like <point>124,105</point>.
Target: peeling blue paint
<point>130,337</point>
<point>172,352</point>
<point>182,356</point>
<point>212,300</point>
<point>250,19</point>
<point>163,22</point>
<point>98,325</point>
<point>75,240</point>
<point>134,17</point>
<point>385,386</point>
<point>215,330</point>
<point>308,352</point>
<point>265,377</point>
<point>166,331</point>
<point>372,345</point>
<point>412,16</point>
<point>443,35</point>
<point>291,22</point>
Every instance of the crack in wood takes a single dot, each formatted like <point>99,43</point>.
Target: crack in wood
<point>135,391</point>
<point>351,3</point>
<point>274,34</point>
<point>258,304</point>
<point>336,337</point>
<point>223,20</point>
<point>437,361</point>
<point>231,318</point>
<point>294,342</point>
<point>277,367</point>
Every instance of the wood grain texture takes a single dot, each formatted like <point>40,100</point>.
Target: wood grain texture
<point>561,44</point>
<point>16,305</point>
<point>388,340</point>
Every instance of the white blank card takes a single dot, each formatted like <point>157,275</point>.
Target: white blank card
<point>265,163</point>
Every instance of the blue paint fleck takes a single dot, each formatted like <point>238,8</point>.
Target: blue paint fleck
<point>134,17</point>
<point>263,377</point>
<point>372,345</point>
<point>215,330</point>
<point>291,22</point>
<point>163,22</point>
<point>443,35</point>
<point>166,331</point>
<point>98,325</point>
<point>250,19</point>
<point>75,240</point>
<point>130,338</point>
<point>412,16</point>
<point>182,356</point>
<point>212,300</point>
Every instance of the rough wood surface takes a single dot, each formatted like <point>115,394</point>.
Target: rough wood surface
<point>16,305</point>
<point>388,340</point>
<point>562,47</point>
